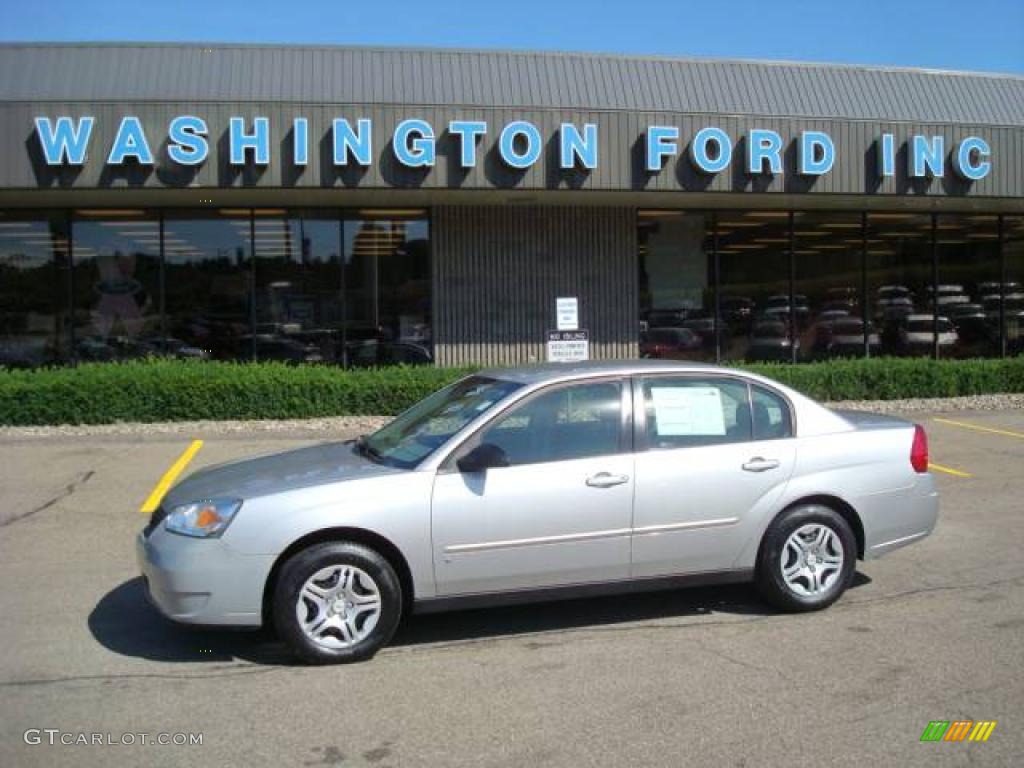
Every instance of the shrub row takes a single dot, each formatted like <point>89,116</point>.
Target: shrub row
<point>170,390</point>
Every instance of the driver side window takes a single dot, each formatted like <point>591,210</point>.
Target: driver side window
<point>573,422</point>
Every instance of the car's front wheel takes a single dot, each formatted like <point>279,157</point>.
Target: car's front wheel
<point>807,559</point>
<point>337,602</point>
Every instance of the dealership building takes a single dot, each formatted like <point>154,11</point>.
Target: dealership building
<point>357,206</point>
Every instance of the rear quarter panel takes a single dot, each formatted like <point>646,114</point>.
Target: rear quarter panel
<point>870,470</point>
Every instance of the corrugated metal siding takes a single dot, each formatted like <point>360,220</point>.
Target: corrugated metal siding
<point>498,270</point>
<point>620,164</point>
<point>190,73</point>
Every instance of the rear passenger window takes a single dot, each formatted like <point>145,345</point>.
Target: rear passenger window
<point>771,414</point>
<point>684,412</point>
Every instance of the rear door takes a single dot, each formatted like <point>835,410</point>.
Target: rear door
<point>710,449</point>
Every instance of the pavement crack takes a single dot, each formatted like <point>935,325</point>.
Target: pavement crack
<point>69,489</point>
<point>220,672</point>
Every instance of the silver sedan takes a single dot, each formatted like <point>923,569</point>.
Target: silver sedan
<point>538,483</point>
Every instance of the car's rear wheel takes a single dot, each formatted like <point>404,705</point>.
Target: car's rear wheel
<point>337,602</point>
<point>807,558</point>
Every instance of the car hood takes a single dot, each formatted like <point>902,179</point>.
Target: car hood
<point>275,473</point>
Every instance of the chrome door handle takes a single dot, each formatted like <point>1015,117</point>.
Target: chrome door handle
<point>606,480</point>
<point>758,464</point>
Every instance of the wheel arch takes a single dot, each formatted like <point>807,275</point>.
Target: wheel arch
<point>835,503</point>
<point>367,538</point>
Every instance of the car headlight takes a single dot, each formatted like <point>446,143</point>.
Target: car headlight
<point>203,519</point>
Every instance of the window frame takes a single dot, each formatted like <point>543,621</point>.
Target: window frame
<point>641,444</point>
<point>626,432</point>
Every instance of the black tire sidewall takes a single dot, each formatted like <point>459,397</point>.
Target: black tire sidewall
<point>769,576</point>
<point>301,566</point>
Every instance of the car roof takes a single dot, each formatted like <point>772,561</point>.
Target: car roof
<point>545,372</point>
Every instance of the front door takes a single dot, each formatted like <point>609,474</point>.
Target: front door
<point>558,514</point>
<point>712,451</point>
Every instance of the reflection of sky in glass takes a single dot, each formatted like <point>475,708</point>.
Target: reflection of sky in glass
<point>102,238</point>
<point>28,244</point>
<point>191,240</point>
<point>381,236</point>
<point>282,239</point>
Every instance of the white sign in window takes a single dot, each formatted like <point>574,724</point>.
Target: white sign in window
<point>567,313</point>
<point>568,346</point>
<point>688,411</point>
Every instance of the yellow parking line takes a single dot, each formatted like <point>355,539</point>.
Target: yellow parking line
<point>154,499</point>
<point>949,470</point>
<point>977,428</point>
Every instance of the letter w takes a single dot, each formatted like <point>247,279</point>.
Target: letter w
<point>935,730</point>
<point>64,139</point>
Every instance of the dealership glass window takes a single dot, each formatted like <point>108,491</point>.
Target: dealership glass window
<point>675,279</point>
<point>753,253</point>
<point>33,288</point>
<point>208,283</point>
<point>116,285</point>
<point>967,297</point>
<point>299,312</point>
<point>387,287</point>
<point>829,306</point>
<point>899,278</point>
<point>1013,250</point>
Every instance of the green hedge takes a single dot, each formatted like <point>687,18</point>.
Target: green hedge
<point>169,390</point>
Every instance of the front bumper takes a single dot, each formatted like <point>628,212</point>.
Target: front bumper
<point>202,581</point>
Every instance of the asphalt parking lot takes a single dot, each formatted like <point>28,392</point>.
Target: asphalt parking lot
<point>706,677</point>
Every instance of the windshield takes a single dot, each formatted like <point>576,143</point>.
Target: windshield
<point>415,434</point>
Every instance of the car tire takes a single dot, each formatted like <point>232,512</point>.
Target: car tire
<point>807,559</point>
<point>336,602</point>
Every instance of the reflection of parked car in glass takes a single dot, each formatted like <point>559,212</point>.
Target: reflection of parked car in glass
<point>778,305</point>
<point>846,338</point>
<point>703,325</point>
<point>669,343</point>
<point>283,349</point>
<point>917,332</point>
<point>371,353</point>
<point>895,299</point>
<point>769,340</point>
<point>971,323</point>
<point>947,295</point>
<point>667,318</point>
<point>171,347</point>
<point>842,296</point>
<point>738,311</point>
<point>96,348</point>
<point>990,289</point>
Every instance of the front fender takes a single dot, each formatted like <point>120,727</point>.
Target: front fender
<point>396,508</point>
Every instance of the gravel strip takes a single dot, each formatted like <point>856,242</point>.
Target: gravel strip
<point>346,426</point>
<point>936,404</point>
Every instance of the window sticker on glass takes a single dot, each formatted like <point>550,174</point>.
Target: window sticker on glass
<point>688,411</point>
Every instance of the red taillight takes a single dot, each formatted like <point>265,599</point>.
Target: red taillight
<point>919,450</point>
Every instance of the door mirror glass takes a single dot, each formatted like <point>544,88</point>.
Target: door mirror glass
<point>485,456</point>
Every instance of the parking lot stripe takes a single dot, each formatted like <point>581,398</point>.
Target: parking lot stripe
<point>154,498</point>
<point>949,470</point>
<point>979,428</point>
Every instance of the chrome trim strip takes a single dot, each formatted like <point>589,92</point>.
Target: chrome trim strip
<point>686,526</point>
<point>560,539</point>
<point>589,536</point>
<point>901,540</point>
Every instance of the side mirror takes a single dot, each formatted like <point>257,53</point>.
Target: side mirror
<point>485,456</point>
